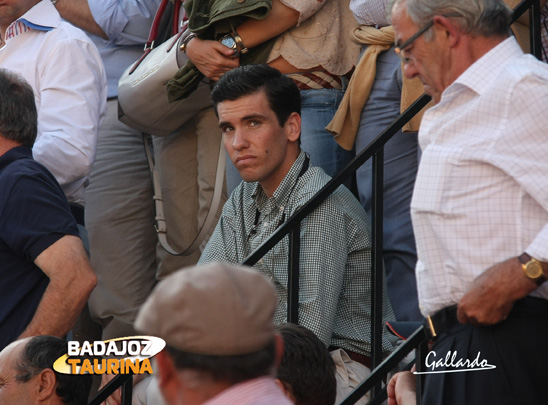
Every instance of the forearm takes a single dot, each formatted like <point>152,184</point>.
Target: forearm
<point>78,13</point>
<point>66,265</point>
<point>60,306</point>
<point>280,19</point>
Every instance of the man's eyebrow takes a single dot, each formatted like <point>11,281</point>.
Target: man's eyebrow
<point>244,118</point>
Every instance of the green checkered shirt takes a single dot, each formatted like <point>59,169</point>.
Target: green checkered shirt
<point>335,256</point>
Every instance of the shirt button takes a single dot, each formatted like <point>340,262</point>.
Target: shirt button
<point>240,1</point>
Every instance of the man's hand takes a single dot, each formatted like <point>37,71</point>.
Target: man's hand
<point>211,58</point>
<point>401,389</point>
<point>491,297</point>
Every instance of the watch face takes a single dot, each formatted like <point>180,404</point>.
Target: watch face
<point>533,269</point>
<point>229,42</point>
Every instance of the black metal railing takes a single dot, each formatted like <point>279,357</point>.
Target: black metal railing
<point>292,227</point>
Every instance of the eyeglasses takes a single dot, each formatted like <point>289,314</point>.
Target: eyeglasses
<point>400,48</point>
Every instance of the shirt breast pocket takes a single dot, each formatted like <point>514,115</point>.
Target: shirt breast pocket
<point>435,180</point>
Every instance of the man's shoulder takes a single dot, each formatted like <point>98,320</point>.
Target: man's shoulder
<point>340,201</point>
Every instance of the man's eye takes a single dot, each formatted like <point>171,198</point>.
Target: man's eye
<point>254,123</point>
<point>226,129</point>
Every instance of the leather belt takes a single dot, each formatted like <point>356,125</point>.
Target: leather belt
<point>440,321</point>
<point>316,80</point>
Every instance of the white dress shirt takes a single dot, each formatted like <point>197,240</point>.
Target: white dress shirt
<point>66,73</point>
<point>481,194</point>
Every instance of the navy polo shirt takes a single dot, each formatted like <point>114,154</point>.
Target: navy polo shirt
<point>34,214</point>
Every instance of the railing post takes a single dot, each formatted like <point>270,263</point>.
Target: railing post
<point>534,29</point>
<point>377,261</point>
<point>293,275</point>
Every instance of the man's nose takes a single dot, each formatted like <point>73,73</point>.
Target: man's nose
<point>239,140</point>
<point>410,69</point>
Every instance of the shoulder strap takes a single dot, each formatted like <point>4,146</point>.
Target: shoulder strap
<point>160,221</point>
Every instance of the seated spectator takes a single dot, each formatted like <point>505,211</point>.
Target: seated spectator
<point>45,272</point>
<point>27,376</point>
<point>307,371</point>
<point>222,348</point>
<point>258,110</point>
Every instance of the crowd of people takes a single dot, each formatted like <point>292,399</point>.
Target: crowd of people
<point>297,95</point>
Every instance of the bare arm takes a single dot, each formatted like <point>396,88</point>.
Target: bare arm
<point>214,59</point>
<point>71,281</point>
<point>78,13</point>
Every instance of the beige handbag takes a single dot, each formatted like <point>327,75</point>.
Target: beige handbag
<point>142,97</point>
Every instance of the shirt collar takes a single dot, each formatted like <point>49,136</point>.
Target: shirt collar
<point>42,17</point>
<point>283,191</point>
<point>481,74</point>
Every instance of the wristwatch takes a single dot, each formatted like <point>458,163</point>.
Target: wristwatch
<point>234,42</point>
<point>532,269</point>
<point>229,41</point>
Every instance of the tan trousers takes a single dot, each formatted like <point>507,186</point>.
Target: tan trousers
<point>120,212</point>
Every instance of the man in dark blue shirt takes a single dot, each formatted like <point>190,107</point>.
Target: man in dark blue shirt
<point>46,276</point>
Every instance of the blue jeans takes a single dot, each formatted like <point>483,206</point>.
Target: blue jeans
<point>317,110</point>
<point>401,158</point>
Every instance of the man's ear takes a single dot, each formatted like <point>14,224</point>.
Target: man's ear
<point>166,368</point>
<point>292,127</point>
<point>286,390</point>
<point>449,26</point>
<point>46,384</point>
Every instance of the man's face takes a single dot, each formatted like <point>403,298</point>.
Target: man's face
<point>425,60</point>
<point>11,10</point>
<point>12,391</point>
<point>259,147</point>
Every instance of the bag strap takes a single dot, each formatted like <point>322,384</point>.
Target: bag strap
<point>160,221</point>
<point>155,29</point>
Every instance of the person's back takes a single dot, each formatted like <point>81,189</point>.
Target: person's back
<point>66,73</point>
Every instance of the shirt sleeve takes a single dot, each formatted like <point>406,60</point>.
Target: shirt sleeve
<point>522,150</point>
<point>370,12</point>
<point>322,270</point>
<point>126,22</point>
<point>36,215</point>
<point>223,244</point>
<point>72,105</point>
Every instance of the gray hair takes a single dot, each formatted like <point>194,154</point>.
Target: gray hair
<point>18,116</point>
<point>487,18</point>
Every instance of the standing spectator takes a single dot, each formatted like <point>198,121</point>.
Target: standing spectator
<point>480,204</point>
<point>67,76</point>
<point>120,210</point>
<point>46,276</point>
<point>374,99</point>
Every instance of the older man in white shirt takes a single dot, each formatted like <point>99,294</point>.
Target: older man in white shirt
<point>480,204</point>
<point>66,73</point>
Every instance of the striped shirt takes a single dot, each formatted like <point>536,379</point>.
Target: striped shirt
<point>259,391</point>
<point>335,258</point>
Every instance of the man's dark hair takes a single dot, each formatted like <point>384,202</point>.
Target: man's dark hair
<point>18,116</point>
<point>231,369</point>
<point>40,353</point>
<point>281,92</point>
<point>307,369</point>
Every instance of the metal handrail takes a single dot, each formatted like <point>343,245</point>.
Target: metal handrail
<point>292,226</point>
